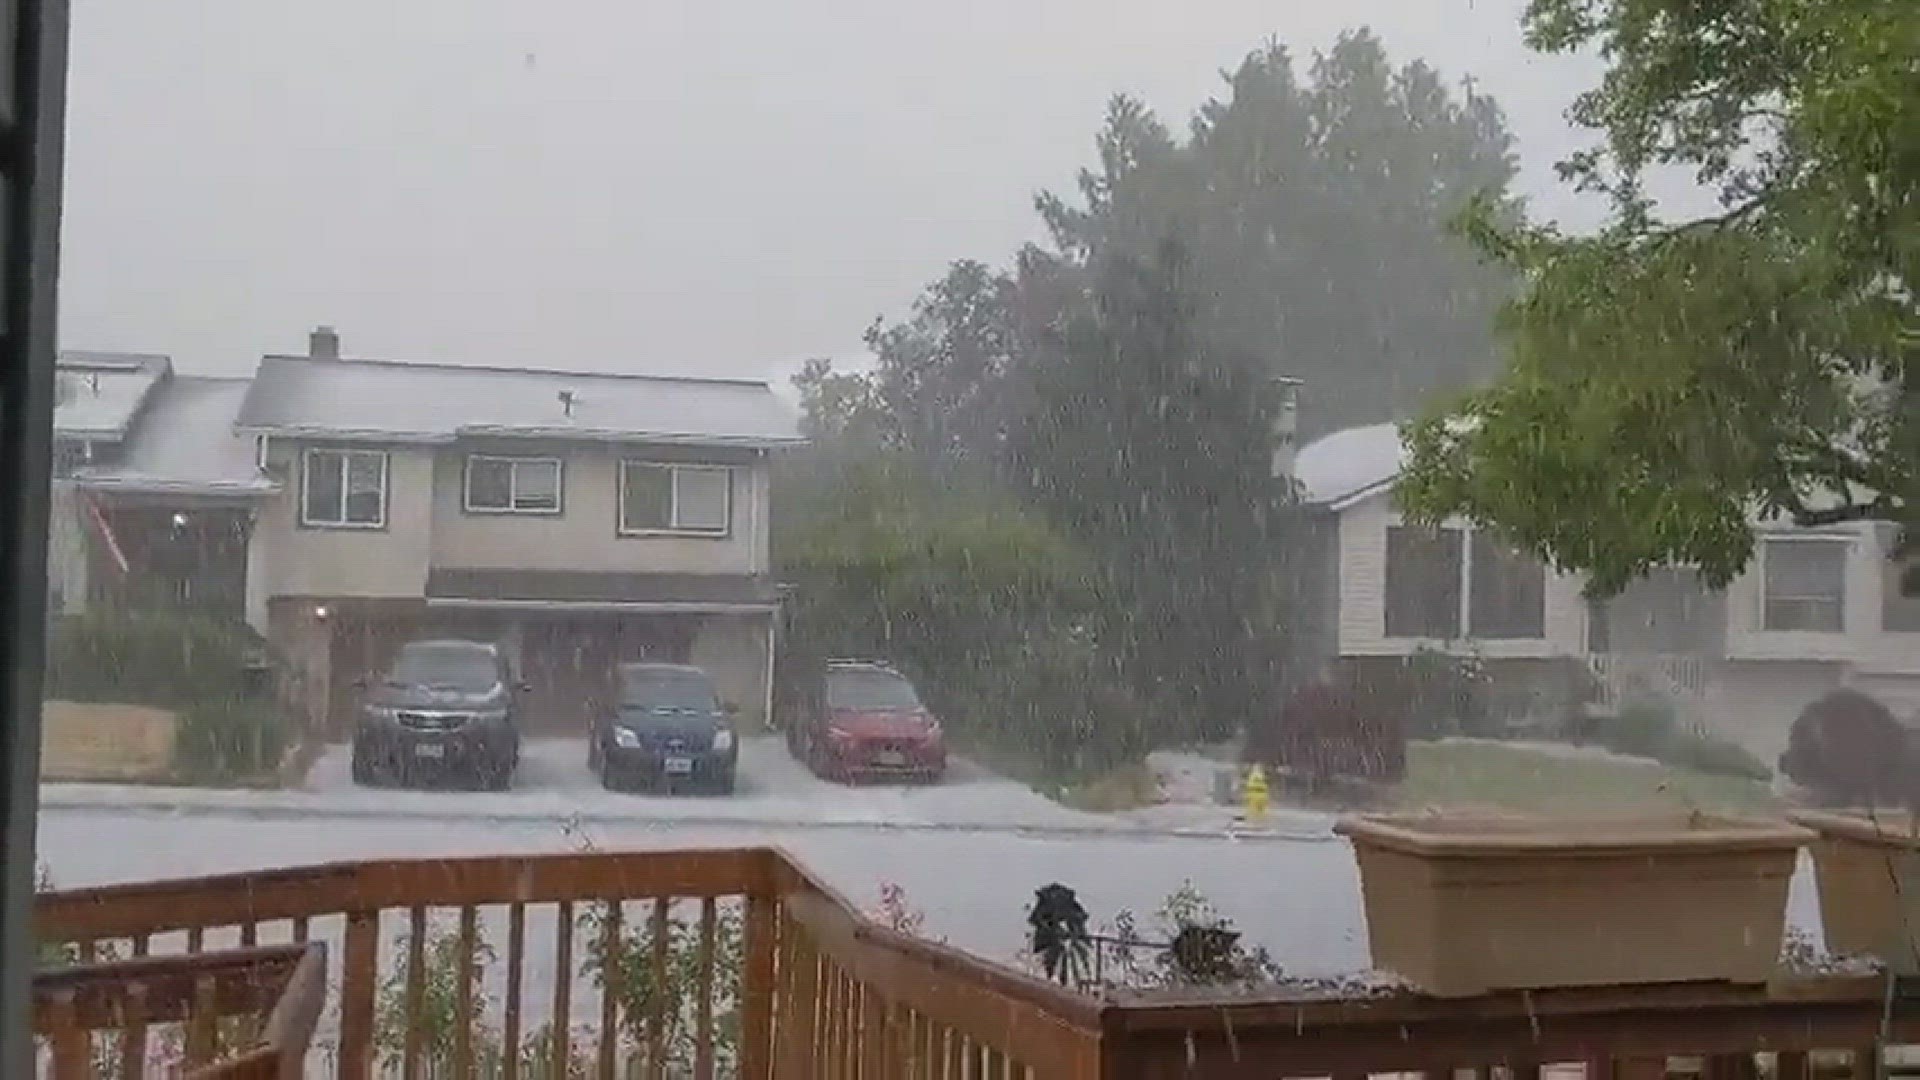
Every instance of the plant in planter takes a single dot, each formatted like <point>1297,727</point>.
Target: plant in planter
<point>1866,868</point>
<point>1464,904</point>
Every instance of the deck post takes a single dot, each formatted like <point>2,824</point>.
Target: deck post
<point>756,990</point>
<point>359,976</point>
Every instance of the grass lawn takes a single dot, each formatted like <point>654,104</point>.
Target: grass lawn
<point>1515,778</point>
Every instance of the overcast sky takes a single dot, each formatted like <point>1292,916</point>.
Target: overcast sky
<point>660,185</point>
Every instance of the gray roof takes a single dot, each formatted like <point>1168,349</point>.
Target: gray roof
<point>1349,465</point>
<point>185,444</point>
<point>98,394</point>
<point>391,401</point>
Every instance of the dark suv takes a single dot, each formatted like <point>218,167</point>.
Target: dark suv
<point>444,708</point>
<point>666,725</point>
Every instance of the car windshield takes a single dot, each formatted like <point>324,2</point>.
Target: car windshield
<point>870,690</point>
<point>466,666</point>
<point>667,690</point>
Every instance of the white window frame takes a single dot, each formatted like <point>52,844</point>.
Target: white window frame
<point>346,454</point>
<point>674,469</point>
<point>1842,541</point>
<point>513,485</point>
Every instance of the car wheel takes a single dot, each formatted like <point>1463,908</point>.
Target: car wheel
<point>496,777</point>
<point>365,772</point>
<point>609,779</point>
<point>723,784</point>
<point>795,745</point>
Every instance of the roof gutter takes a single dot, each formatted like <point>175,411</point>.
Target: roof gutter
<point>1359,495</point>
<point>442,438</point>
<point>153,486</point>
<point>634,607</point>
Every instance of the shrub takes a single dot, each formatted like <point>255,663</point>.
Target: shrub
<point>1717,756</point>
<point>1199,947</point>
<point>629,977</point>
<point>1849,749</point>
<point>205,670</point>
<point>1331,729</point>
<point>166,659</point>
<point>229,738</point>
<point>1649,729</point>
<point>1641,729</point>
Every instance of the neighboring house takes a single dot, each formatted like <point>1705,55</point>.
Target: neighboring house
<point>153,492</point>
<point>341,505</point>
<point>580,519</point>
<point>1817,609</point>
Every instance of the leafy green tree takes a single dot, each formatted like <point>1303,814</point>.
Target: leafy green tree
<point>942,373</point>
<point>840,406</point>
<point>1153,448</point>
<point>1316,218</point>
<point>1670,381</point>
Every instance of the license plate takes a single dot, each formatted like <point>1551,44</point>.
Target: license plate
<point>430,750</point>
<point>679,766</point>
<point>890,757</point>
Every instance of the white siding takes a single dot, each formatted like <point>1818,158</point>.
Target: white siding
<point>386,562</point>
<point>585,534</point>
<point>1863,643</point>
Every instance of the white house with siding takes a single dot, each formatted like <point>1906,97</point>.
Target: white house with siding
<point>1817,608</point>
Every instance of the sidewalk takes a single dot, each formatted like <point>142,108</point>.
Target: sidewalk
<point>562,808</point>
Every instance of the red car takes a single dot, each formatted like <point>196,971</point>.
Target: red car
<point>869,723</point>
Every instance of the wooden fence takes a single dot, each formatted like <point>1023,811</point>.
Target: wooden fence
<point>741,963</point>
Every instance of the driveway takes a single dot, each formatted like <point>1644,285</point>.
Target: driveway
<point>773,790</point>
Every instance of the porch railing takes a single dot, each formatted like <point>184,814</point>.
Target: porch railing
<point>741,963</point>
<point>228,1015</point>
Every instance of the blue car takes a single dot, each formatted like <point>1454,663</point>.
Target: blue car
<point>666,728</point>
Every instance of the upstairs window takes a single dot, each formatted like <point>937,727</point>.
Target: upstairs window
<point>506,485</point>
<point>694,500</point>
<point>1805,583</point>
<point>344,489</point>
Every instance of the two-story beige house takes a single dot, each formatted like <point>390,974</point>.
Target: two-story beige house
<point>1816,609</point>
<point>580,519</point>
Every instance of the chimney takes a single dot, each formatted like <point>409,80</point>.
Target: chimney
<point>323,343</point>
<point>1286,425</point>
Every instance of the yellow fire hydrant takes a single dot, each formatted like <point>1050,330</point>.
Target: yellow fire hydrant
<point>1256,793</point>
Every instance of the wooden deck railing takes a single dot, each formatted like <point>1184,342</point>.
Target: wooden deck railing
<point>241,1013</point>
<point>740,963</point>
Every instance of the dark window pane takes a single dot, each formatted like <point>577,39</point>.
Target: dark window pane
<point>536,485</point>
<point>1509,592</point>
<point>701,499</point>
<point>646,497</point>
<point>489,483</point>
<point>366,489</point>
<point>325,469</point>
<point>1899,611</point>
<point>1423,582</point>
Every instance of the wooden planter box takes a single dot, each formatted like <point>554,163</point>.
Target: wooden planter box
<point>1867,871</point>
<point>1466,904</point>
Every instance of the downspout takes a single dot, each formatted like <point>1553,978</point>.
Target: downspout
<point>772,621</point>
